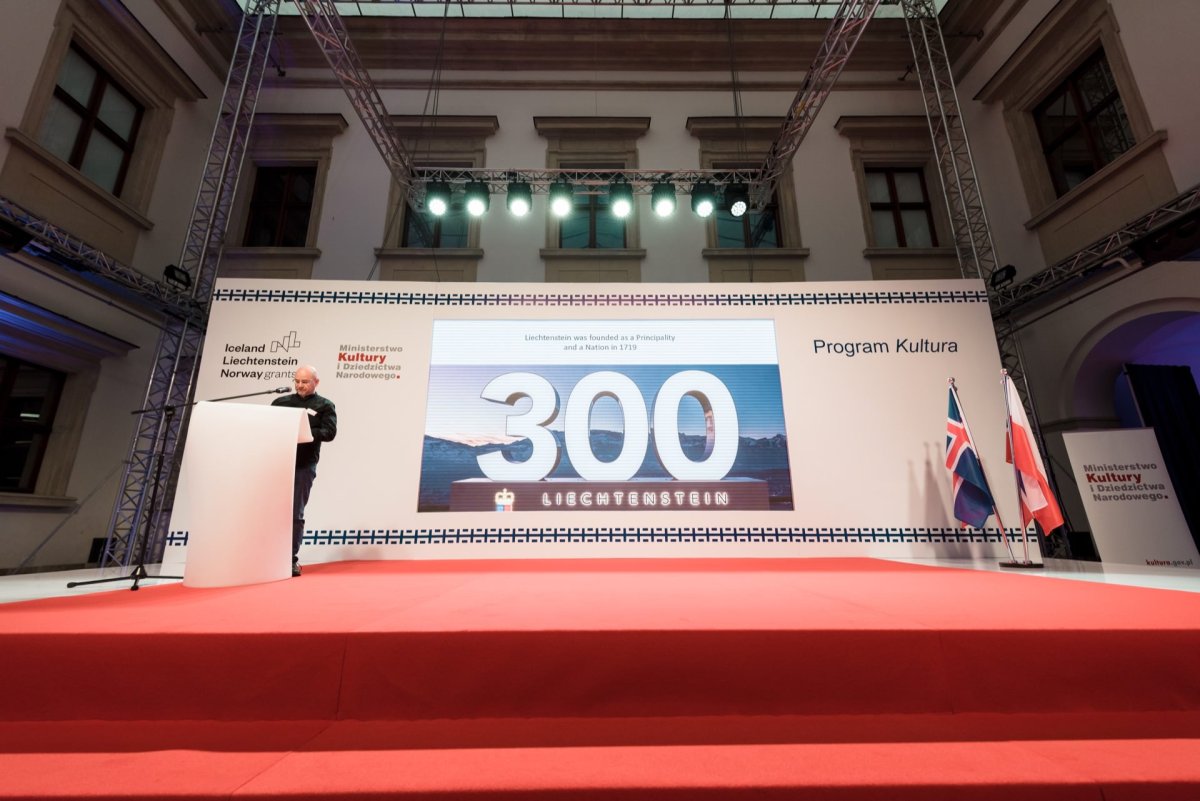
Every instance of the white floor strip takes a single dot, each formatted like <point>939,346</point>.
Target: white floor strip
<point>28,586</point>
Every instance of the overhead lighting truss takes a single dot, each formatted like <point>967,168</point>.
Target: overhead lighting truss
<point>54,244</point>
<point>1091,260</point>
<point>324,20</point>
<point>583,182</point>
<point>845,29</point>
<point>956,166</point>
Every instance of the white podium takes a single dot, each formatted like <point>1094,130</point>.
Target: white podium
<point>239,467</point>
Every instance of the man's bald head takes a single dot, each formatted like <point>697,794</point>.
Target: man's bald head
<point>305,380</point>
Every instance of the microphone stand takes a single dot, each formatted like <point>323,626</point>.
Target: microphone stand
<point>140,573</point>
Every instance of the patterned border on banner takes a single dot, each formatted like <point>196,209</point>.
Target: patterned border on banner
<point>754,534</point>
<point>398,298</point>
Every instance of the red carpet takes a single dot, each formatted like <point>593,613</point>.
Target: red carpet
<point>822,678</point>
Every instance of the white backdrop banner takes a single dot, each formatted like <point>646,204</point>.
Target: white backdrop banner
<point>512,420</point>
<point>1129,500</point>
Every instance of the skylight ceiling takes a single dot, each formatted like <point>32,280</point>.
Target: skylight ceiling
<point>598,9</point>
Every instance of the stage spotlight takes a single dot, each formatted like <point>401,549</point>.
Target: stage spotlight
<point>620,198</point>
<point>1003,277</point>
<point>662,197</point>
<point>177,277</point>
<point>520,198</point>
<point>704,199</point>
<point>737,199</point>
<point>477,198</point>
<point>437,197</point>
<point>561,198</point>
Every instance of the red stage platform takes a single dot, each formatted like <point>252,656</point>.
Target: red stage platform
<point>629,679</point>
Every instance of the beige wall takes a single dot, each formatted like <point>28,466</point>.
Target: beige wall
<point>1160,43</point>
<point>65,525</point>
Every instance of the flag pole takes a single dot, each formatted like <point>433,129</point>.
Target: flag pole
<point>1026,561</point>
<point>970,436</point>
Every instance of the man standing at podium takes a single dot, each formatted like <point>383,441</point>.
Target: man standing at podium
<point>322,419</point>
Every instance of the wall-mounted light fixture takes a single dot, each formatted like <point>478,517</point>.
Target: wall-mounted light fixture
<point>1003,276</point>
<point>177,277</point>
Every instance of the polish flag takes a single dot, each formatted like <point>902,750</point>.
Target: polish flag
<point>1037,501</point>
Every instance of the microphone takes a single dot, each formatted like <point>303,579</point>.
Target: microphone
<point>282,390</point>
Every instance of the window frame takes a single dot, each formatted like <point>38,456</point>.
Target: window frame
<point>612,141</point>
<point>1082,123</point>
<point>436,224</point>
<point>1137,181</point>
<point>594,203</point>
<point>281,141</point>
<point>452,139</point>
<point>10,366</point>
<point>47,339</point>
<point>51,188</point>
<point>744,142</point>
<point>897,206</point>
<point>90,122</point>
<point>900,142</point>
<point>285,207</point>
<point>747,230</point>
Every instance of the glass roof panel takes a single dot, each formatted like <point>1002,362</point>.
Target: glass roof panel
<point>592,11</point>
<point>478,10</point>
<point>677,9</point>
<point>390,10</point>
<point>647,11</point>
<point>701,11</point>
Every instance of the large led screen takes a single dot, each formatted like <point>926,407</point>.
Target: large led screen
<point>563,415</point>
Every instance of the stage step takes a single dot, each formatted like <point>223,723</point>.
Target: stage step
<point>431,675</point>
<point>666,680</point>
<point>1099,757</point>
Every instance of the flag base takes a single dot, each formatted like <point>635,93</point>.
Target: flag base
<point>1023,565</point>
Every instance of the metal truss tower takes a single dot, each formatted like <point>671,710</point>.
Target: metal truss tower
<point>960,186</point>
<point>153,452</point>
<point>956,167</point>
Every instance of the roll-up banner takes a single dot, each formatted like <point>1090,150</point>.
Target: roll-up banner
<point>1130,503</point>
<point>514,420</point>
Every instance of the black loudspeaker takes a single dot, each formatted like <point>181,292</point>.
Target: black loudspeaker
<point>1173,242</point>
<point>12,238</point>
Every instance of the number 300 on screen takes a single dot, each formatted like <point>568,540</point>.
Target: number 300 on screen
<point>720,415</point>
